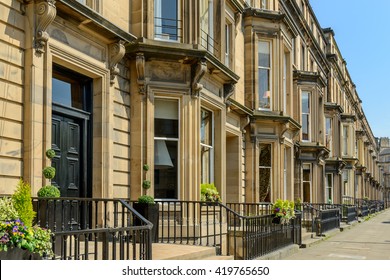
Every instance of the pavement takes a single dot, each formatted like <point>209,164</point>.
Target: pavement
<point>366,240</point>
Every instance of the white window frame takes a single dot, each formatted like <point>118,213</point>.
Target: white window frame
<point>158,18</point>
<point>209,147</point>
<point>174,139</point>
<point>269,69</point>
<point>329,187</point>
<point>308,114</point>
<point>267,167</point>
<point>345,140</point>
<point>329,134</point>
<point>310,180</point>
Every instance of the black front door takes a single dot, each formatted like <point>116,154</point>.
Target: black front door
<point>69,136</point>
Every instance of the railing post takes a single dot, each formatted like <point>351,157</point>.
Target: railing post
<point>105,245</point>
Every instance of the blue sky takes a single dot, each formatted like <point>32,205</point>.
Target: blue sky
<point>362,31</point>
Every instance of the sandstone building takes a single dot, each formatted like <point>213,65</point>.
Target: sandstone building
<point>253,96</point>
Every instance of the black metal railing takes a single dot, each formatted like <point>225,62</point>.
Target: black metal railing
<point>327,220</point>
<point>350,213</point>
<point>86,228</point>
<point>209,43</point>
<point>251,237</point>
<point>167,29</point>
<point>320,217</point>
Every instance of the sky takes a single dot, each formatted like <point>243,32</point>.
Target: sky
<point>362,30</point>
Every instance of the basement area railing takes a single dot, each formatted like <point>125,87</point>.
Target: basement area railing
<point>99,229</point>
<point>320,217</point>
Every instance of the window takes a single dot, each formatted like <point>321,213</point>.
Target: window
<point>306,182</point>
<point>207,26</point>
<point>345,140</point>
<point>328,188</point>
<point>265,171</point>
<point>264,74</point>
<point>228,44</point>
<point>303,58</point>
<point>286,83</point>
<point>328,134</point>
<point>166,20</point>
<point>305,116</point>
<point>166,148</point>
<point>264,4</point>
<point>345,178</point>
<point>207,146</point>
<point>293,50</point>
<point>93,4</point>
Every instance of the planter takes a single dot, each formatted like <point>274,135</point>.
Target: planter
<point>151,213</point>
<point>276,220</point>
<point>18,254</point>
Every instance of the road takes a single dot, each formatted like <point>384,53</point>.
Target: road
<point>369,240</point>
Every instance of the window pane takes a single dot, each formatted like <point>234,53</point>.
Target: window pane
<point>206,128</point>
<point>165,179</point>
<point>264,89</point>
<point>265,155</point>
<point>166,123</point>
<point>264,54</point>
<point>305,127</point>
<point>305,102</point>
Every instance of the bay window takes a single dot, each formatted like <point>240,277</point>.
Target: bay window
<point>265,171</point>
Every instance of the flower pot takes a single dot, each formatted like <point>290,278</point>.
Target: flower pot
<point>18,254</point>
<point>276,220</point>
<point>151,213</point>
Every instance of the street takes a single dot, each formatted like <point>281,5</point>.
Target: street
<point>369,240</point>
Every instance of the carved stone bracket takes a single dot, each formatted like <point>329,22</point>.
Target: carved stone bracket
<point>117,51</point>
<point>140,65</point>
<point>45,11</point>
<point>228,90</point>
<point>198,73</point>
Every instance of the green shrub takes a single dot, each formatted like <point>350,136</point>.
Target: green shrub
<point>50,153</point>
<point>22,202</point>
<point>146,184</point>
<point>146,199</point>
<point>49,172</point>
<point>208,192</point>
<point>7,210</point>
<point>49,191</point>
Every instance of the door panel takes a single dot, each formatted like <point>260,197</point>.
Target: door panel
<point>67,142</point>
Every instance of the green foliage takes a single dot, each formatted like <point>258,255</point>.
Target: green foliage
<point>42,241</point>
<point>22,202</point>
<point>146,167</point>
<point>14,234</point>
<point>49,191</point>
<point>50,153</point>
<point>283,209</point>
<point>146,199</point>
<point>208,192</point>
<point>49,172</point>
<point>7,210</point>
<point>146,184</point>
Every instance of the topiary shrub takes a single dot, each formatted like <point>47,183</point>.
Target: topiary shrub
<point>147,199</point>
<point>50,153</point>
<point>49,172</point>
<point>146,184</point>
<point>49,191</point>
<point>22,202</point>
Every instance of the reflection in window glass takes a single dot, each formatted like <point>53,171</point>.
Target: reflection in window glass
<point>265,169</point>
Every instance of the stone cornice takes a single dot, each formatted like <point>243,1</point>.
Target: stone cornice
<point>264,14</point>
<point>312,77</point>
<point>92,20</point>
<point>185,53</point>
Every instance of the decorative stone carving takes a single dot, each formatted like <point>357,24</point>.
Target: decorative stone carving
<point>140,65</point>
<point>45,11</point>
<point>198,73</point>
<point>228,90</point>
<point>117,51</point>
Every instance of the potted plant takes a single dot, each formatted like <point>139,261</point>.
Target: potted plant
<point>283,211</point>
<point>147,207</point>
<point>19,239</point>
<point>209,193</point>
